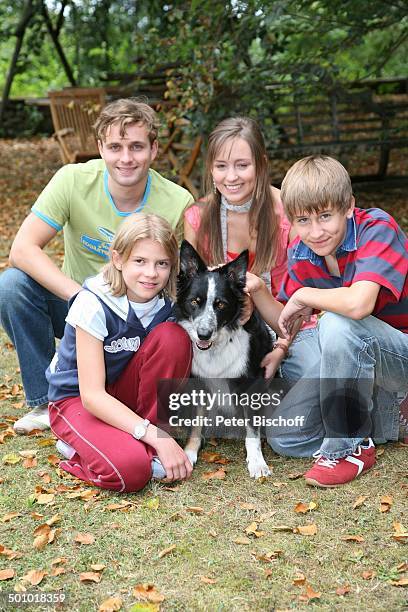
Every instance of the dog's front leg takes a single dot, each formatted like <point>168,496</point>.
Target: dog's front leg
<point>194,442</point>
<point>257,466</point>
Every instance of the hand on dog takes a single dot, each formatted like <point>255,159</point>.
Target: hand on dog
<point>292,316</point>
<point>271,363</point>
<point>253,283</point>
<point>247,310</point>
<point>172,457</point>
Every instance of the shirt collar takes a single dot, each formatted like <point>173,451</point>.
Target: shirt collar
<point>301,251</point>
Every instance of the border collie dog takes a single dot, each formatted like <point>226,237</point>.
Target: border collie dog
<point>209,306</point>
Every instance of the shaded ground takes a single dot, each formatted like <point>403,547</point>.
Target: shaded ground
<point>218,542</point>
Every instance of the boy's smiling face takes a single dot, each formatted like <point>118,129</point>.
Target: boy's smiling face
<point>323,231</point>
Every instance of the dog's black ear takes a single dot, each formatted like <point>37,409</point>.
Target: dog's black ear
<point>190,261</point>
<point>236,269</point>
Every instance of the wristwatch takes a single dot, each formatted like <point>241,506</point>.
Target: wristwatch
<point>140,429</point>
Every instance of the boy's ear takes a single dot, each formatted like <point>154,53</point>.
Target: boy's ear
<point>116,260</point>
<point>190,261</point>
<point>350,210</point>
<point>154,148</point>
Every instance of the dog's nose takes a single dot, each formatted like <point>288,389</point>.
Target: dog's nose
<point>204,334</point>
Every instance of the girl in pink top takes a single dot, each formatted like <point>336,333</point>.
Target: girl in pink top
<point>242,210</point>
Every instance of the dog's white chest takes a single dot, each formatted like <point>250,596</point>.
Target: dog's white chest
<point>227,357</point>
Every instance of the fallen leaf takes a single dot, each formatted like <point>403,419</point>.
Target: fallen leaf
<point>34,577</point>
<point>266,557</point>
<point>352,538</point>
<point>113,604</point>
<point>10,554</point>
<point>41,541</point>
<point>166,551</point>
<point>295,475</point>
<point>207,580</point>
<point>368,575</point>
<point>57,571</point>
<point>46,442</point>
<point>147,592</point>
<point>359,501</point>
<point>45,498</point>
<point>402,567</point>
<point>310,594</point>
<point>84,538</point>
<point>9,516</point>
<point>54,519</point>
<point>217,475</point>
<point>6,574</point>
<point>386,503</point>
<point>301,508</point>
<point>247,506</point>
<point>299,579</point>
<point>59,560</point>
<point>282,528</point>
<point>98,567</point>
<point>307,530</point>
<point>242,540</point>
<point>11,459</point>
<point>402,582</point>
<point>268,572</point>
<point>30,462</point>
<point>153,503</point>
<point>194,509</point>
<point>343,590</point>
<point>28,454</point>
<point>120,506</point>
<point>90,577</point>
<point>53,459</point>
<point>209,457</point>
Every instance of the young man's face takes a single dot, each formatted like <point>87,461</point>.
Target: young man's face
<point>128,158</point>
<point>323,231</point>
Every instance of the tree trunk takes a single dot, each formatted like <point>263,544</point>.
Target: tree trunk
<point>53,33</point>
<point>26,16</point>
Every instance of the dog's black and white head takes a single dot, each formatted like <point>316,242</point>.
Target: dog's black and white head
<point>209,302</point>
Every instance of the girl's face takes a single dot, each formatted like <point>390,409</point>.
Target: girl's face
<point>146,272</point>
<point>233,171</point>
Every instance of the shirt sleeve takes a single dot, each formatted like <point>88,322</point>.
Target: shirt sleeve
<point>382,255</point>
<point>53,203</point>
<point>87,313</point>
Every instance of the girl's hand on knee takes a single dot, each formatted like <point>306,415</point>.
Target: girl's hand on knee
<point>173,458</point>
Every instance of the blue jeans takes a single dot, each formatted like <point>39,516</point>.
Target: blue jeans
<point>362,364</point>
<point>32,318</point>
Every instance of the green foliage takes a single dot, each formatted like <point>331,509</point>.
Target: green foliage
<point>221,55</point>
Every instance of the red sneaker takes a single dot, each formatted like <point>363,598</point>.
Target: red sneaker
<point>335,472</point>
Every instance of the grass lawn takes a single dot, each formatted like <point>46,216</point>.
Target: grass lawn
<point>215,544</point>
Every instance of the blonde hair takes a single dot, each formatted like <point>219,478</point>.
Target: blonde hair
<point>139,226</point>
<point>127,111</point>
<point>313,183</point>
<point>262,217</point>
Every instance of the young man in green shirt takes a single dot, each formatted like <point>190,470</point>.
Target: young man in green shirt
<point>88,201</point>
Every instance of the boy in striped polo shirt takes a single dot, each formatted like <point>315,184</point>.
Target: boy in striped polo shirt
<point>352,264</point>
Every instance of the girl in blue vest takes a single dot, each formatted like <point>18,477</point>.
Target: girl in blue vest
<point>117,345</point>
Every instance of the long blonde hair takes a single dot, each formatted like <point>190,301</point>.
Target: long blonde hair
<point>263,221</point>
<point>137,227</point>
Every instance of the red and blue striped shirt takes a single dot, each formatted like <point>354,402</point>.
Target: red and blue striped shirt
<point>374,249</point>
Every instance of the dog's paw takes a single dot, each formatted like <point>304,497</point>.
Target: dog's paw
<point>258,468</point>
<point>192,455</point>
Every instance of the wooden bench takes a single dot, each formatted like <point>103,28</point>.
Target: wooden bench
<point>337,124</point>
<point>74,111</point>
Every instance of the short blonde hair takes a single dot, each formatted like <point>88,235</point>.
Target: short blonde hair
<point>313,183</point>
<point>139,226</point>
<point>127,111</point>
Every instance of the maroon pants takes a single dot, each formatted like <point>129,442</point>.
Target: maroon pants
<point>109,457</point>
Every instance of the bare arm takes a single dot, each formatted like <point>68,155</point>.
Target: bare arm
<point>110,410</point>
<point>354,302</point>
<point>267,306</point>
<point>28,255</point>
<point>190,233</point>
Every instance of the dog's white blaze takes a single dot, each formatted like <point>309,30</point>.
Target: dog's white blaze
<point>207,320</point>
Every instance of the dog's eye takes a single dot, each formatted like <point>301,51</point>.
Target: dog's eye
<point>220,305</point>
<point>195,302</point>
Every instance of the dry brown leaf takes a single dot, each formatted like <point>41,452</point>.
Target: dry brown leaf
<point>34,577</point>
<point>307,530</point>
<point>84,538</point>
<point>282,528</point>
<point>359,501</point>
<point>40,541</point>
<point>402,582</point>
<point>28,454</point>
<point>247,506</point>
<point>119,506</point>
<point>251,528</point>
<point>113,604</point>
<point>59,560</point>
<point>302,508</point>
<point>217,475</point>
<point>89,577</point>
<point>242,540</point>
<point>268,572</point>
<point>352,538</point>
<point>266,515</point>
<point>210,457</point>
<point>367,575</point>
<point>343,590</point>
<point>299,579</point>
<point>6,574</point>
<point>53,459</point>
<point>54,519</point>
<point>310,594</point>
<point>9,516</point>
<point>98,567</point>
<point>266,557</point>
<point>30,462</point>
<point>213,533</point>
<point>45,498</point>
<point>57,571</point>
<point>147,592</point>
<point>386,503</point>
<point>166,551</point>
<point>402,567</point>
<point>194,509</point>
<point>295,475</point>
<point>10,554</point>
<point>207,580</point>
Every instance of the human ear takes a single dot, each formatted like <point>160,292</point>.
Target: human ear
<point>154,149</point>
<point>350,210</point>
<point>117,260</point>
